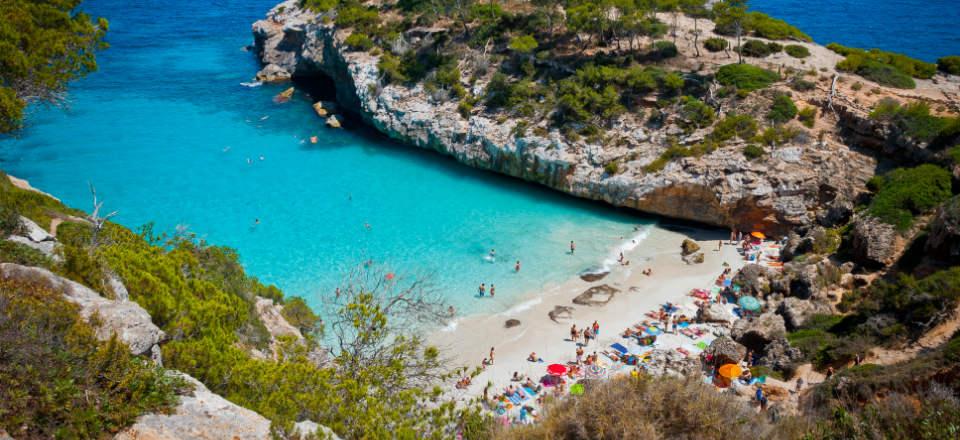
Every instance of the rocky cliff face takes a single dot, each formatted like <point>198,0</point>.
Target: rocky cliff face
<point>791,186</point>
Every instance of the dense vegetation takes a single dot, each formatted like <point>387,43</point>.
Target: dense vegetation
<point>949,64</point>
<point>58,380</point>
<point>886,68</point>
<point>905,192</point>
<point>915,122</point>
<point>746,77</point>
<point>43,45</point>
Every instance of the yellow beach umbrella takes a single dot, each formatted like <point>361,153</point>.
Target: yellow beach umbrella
<point>730,371</point>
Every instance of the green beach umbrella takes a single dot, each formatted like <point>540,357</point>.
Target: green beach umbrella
<point>750,304</point>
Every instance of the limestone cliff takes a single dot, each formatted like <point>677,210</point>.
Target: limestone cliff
<point>791,186</point>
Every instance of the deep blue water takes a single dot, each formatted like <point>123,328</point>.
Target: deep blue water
<point>924,29</point>
<point>164,131</point>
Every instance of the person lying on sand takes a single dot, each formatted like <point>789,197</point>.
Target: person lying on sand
<point>533,357</point>
<point>628,332</point>
<point>516,376</point>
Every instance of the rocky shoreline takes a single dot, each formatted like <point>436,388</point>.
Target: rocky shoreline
<point>790,187</point>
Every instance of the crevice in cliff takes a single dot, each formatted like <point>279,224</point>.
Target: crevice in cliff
<point>318,85</point>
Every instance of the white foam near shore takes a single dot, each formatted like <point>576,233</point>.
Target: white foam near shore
<point>522,306</point>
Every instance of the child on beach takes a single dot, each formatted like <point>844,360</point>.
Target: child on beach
<point>492,290</point>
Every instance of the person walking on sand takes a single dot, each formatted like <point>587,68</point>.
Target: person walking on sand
<point>579,354</point>
<point>492,290</point>
<point>596,329</point>
<point>573,333</point>
<point>491,355</point>
<point>719,245</point>
<point>573,247</point>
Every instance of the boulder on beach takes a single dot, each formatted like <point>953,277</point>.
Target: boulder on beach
<point>696,258</point>
<point>726,351</point>
<point>689,246</point>
<point>591,276</point>
<point>715,313</point>
<point>511,323</point>
<point>596,295</point>
<point>780,355</point>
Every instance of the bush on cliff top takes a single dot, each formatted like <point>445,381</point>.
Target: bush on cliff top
<point>782,110</point>
<point>905,192</point>
<point>759,49</point>
<point>746,77</point>
<point>59,381</point>
<point>915,121</point>
<point>763,26</point>
<point>949,64</point>
<point>715,44</point>
<point>886,68</point>
<point>797,51</point>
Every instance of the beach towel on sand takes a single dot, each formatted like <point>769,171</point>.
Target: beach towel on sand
<point>530,392</point>
<point>515,399</point>
<point>619,347</point>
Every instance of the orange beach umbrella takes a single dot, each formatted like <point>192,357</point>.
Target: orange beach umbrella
<point>758,235</point>
<point>729,371</point>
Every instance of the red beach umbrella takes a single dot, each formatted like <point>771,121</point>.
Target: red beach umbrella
<point>557,369</point>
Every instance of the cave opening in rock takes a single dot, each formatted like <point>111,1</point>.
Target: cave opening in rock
<point>319,86</point>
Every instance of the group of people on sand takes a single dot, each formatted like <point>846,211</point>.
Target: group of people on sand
<point>584,335</point>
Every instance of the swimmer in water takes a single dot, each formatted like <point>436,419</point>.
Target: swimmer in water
<point>249,161</point>
<point>516,267</point>
<point>367,225</point>
<point>261,157</point>
<point>493,254</point>
<point>573,247</point>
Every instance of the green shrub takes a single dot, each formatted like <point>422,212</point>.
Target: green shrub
<point>611,168</point>
<point>465,107</point>
<point>662,50</point>
<point>694,113</point>
<point>716,44</point>
<point>763,26</point>
<point>358,16</point>
<point>885,74</point>
<point>746,77</point>
<point>808,116</point>
<point>782,110</point>
<point>759,49</point>
<point>914,120</point>
<point>391,69</point>
<point>524,44</point>
<point>887,68</point>
<point>359,41</point>
<point>949,64</point>
<point>59,381</point>
<point>905,192</point>
<point>742,126</point>
<point>753,151</point>
<point>797,51</point>
<point>778,135</point>
<point>802,85</point>
<point>917,303</point>
<point>11,252</point>
<point>319,5</point>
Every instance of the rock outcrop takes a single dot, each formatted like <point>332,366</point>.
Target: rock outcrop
<point>786,188</point>
<point>200,415</point>
<point>726,351</point>
<point>756,333</point>
<point>130,322</point>
<point>875,243</point>
<point>796,312</point>
<point>715,313</point>
<point>944,238</point>
<point>779,355</point>
<point>596,295</point>
<point>688,247</point>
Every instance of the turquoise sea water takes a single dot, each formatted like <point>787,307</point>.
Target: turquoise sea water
<point>164,131</point>
<point>150,130</point>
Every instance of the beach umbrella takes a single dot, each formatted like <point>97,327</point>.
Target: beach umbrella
<point>730,371</point>
<point>750,304</point>
<point>595,372</point>
<point>758,234</point>
<point>576,389</point>
<point>557,369</point>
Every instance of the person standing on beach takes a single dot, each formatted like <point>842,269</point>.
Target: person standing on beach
<point>573,333</point>
<point>492,290</point>
<point>596,329</point>
<point>579,354</point>
<point>573,247</point>
<point>491,355</point>
<point>482,290</point>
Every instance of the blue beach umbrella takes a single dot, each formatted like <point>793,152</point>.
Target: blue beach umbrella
<point>750,304</point>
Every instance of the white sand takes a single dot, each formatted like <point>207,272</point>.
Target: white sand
<point>672,280</point>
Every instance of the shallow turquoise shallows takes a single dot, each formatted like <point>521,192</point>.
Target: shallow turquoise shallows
<point>164,130</point>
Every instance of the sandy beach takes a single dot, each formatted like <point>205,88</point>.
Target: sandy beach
<point>470,340</point>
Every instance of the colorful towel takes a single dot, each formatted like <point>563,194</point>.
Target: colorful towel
<point>515,399</point>
<point>701,345</point>
<point>530,392</point>
<point>617,346</point>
